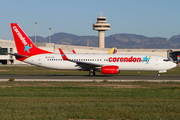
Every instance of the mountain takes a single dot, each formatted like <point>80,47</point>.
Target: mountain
<point>39,39</point>
<point>121,41</point>
<point>70,39</point>
<point>131,41</point>
<point>175,40</point>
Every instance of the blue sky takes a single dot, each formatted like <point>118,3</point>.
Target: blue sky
<point>151,18</point>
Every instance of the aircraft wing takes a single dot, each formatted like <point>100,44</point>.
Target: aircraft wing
<point>85,65</point>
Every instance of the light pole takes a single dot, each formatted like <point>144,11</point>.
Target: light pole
<point>35,32</point>
<point>87,42</point>
<point>49,35</point>
<point>91,42</point>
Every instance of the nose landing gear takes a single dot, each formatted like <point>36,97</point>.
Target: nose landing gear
<point>161,71</point>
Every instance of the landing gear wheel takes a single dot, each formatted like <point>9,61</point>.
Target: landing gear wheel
<point>92,73</point>
<point>158,74</point>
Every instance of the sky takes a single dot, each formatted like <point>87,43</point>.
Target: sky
<point>151,18</point>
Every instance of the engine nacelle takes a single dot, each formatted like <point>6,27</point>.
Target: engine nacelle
<point>110,69</point>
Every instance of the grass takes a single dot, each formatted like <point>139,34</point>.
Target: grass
<point>44,71</point>
<point>89,100</point>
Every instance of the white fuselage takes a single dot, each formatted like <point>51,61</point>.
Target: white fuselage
<point>123,61</point>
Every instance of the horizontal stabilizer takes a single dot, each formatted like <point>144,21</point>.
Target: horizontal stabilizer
<point>18,55</point>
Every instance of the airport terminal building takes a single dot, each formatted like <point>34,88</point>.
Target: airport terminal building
<point>8,46</point>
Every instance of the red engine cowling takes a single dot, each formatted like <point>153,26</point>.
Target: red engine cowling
<point>110,69</point>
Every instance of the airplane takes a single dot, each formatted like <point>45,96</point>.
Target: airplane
<point>112,51</point>
<point>104,63</point>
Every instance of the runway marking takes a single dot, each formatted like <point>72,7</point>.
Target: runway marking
<point>88,80</point>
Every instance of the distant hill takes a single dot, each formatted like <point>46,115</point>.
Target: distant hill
<point>175,41</point>
<point>121,41</point>
<point>131,41</point>
<point>68,39</point>
<point>39,39</point>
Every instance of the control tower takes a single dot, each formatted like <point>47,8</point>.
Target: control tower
<point>101,26</point>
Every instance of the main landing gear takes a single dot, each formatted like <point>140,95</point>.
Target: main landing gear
<point>92,73</point>
<point>158,74</point>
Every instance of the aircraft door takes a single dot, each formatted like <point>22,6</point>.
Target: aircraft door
<point>157,62</point>
<point>39,60</point>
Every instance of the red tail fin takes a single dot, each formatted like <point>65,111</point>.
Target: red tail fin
<point>73,51</point>
<point>24,45</point>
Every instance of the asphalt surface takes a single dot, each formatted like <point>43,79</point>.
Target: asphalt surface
<point>90,78</point>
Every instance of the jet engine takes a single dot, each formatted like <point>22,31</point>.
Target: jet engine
<point>110,69</point>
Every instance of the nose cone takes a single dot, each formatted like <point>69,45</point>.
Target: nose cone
<point>173,65</point>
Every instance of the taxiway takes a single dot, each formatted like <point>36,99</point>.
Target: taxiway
<point>89,78</point>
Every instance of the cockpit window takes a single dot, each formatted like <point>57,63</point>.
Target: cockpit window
<point>168,59</point>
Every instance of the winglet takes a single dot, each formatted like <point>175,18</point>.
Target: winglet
<point>63,55</point>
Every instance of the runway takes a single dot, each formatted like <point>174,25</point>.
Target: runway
<point>82,78</point>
